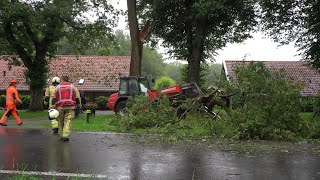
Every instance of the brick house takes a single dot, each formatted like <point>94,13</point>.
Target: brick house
<point>298,71</point>
<point>95,75</point>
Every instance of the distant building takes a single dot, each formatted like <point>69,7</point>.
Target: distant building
<point>95,75</point>
<point>297,71</point>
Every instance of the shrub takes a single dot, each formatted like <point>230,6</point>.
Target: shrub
<point>163,82</point>
<point>306,104</point>
<point>91,106</point>
<point>315,127</point>
<point>26,102</point>
<point>102,102</point>
<point>269,108</point>
<point>316,105</point>
<point>24,98</point>
<point>2,100</point>
<point>145,114</point>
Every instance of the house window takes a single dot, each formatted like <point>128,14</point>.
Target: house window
<point>81,81</point>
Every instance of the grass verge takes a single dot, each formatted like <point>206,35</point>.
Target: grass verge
<point>96,123</point>
<point>33,114</point>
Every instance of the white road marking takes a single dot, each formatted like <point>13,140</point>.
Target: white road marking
<point>54,174</point>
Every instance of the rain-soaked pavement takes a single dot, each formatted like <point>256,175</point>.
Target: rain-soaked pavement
<point>121,156</point>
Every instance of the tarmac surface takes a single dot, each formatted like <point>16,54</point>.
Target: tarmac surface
<point>27,152</point>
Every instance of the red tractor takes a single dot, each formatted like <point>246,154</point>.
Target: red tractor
<point>177,94</point>
<point>135,86</point>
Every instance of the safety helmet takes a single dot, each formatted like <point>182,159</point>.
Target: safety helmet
<point>13,81</point>
<point>55,80</point>
<point>53,113</point>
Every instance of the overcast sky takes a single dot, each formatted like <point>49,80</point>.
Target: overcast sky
<point>259,48</point>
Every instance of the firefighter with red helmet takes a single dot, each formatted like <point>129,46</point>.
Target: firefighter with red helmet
<point>66,98</point>
<point>49,94</point>
<point>12,97</point>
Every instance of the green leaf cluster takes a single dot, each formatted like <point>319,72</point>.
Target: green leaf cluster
<point>145,114</point>
<point>269,107</point>
<point>295,21</point>
<point>163,82</point>
<point>101,102</point>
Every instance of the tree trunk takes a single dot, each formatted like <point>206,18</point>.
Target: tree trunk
<point>36,103</point>
<point>197,52</point>
<point>194,70</point>
<point>38,77</point>
<point>136,44</point>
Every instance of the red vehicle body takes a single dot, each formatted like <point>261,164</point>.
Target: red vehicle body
<point>129,86</point>
<point>132,86</point>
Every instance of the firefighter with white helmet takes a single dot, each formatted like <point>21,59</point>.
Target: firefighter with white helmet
<point>67,98</point>
<point>49,94</point>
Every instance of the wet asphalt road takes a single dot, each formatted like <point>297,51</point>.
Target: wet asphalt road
<point>121,156</point>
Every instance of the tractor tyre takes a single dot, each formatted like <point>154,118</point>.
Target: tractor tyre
<point>121,108</point>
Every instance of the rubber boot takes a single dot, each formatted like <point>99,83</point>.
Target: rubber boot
<point>3,121</point>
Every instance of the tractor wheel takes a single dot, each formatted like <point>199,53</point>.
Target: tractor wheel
<point>121,108</point>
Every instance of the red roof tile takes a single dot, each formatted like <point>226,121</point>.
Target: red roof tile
<point>101,73</point>
<point>297,71</point>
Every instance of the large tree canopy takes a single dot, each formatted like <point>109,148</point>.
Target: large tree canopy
<point>31,29</point>
<point>294,21</point>
<point>195,29</point>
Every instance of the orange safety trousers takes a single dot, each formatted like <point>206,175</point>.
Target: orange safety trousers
<point>11,109</point>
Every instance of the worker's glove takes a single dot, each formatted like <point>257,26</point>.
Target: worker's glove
<point>19,101</point>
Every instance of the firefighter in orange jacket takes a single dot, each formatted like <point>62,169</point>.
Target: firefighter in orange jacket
<point>66,98</point>
<point>12,97</point>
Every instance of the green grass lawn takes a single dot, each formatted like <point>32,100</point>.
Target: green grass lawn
<point>33,114</point>
<point>96,123</point>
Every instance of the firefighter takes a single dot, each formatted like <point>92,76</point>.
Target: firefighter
<point>12,97</point>
<point>49,94</point>
<point>66,98</point>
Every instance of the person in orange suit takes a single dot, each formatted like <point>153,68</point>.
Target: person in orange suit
<point>12,97</point>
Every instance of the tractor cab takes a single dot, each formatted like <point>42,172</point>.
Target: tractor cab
<point>129,86</point>
<point>132,86</point>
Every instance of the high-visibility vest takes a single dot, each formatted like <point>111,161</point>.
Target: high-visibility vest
<point>11,95</point>
<point>65,95</point>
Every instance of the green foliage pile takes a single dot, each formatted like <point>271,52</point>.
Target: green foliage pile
<point>268,109</point>
<point>163,82</point>
<point>314,123</point>
<point>145,114</point>
<point>316,105</point>
<point>102,102</point>
<point>306,103</point>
